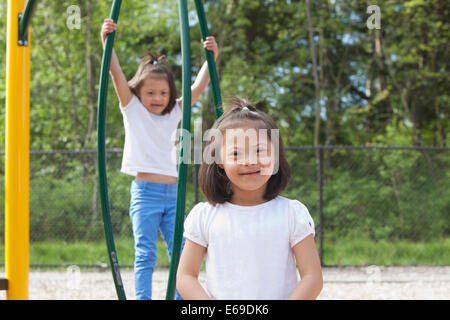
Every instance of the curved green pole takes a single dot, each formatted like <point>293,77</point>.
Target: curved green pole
<point>217,100</point>
<point>101,155</point>
<point>25,19</point>
<point>185,147</point>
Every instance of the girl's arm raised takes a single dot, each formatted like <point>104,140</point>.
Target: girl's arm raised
<point>188,269</point>
<point>119,80</point>
<point>308,262</point>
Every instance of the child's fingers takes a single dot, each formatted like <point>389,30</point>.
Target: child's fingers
<point>106,31</point>
<point>112,25</point>
<point>109,22</point>
<point>210,46</point>
<point>108,28</point>
<point>210,40</point>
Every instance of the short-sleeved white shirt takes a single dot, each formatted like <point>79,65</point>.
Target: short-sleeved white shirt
<point>249,248</point>
<point>149,139</point>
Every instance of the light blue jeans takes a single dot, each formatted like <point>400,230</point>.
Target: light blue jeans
<point>152,208</point>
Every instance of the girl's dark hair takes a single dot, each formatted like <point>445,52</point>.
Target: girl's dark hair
<point>213,180</point>
<point>151,66</point>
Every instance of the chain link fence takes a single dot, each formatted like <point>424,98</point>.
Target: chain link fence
<point>361,198</point>
<point>375,201</point>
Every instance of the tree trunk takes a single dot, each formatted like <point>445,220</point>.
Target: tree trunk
<point>315,75</point>
<point>92,93</point>
<point>382,106</point>
<point>92,102</point>
<point>440,136</point>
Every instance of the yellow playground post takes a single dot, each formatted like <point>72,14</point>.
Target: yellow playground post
<point>17,157</point>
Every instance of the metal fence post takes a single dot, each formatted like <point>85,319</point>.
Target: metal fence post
<point>319,152</point>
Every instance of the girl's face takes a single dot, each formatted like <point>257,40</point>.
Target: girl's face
<point>247,158</point>
<point>155,94</point>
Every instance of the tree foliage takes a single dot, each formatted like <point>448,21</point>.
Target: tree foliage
<point>376,87</point>
<point>370,80</point>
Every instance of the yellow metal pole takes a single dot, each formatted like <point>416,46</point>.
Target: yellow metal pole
<point>17,158</point>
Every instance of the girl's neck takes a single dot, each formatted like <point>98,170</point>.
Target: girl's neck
<point>248,198</point>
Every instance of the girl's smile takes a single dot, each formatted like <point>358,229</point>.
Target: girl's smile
<point>251,173</point>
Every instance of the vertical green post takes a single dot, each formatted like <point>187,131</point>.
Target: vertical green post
<point>101,155</point>
<point>217,100</point>
<point>185,147</point>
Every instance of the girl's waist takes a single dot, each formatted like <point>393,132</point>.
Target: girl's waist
<point>155,178</point>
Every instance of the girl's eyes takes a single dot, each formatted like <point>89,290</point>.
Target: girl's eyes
<point>162,93</point>
<point>235,153</point>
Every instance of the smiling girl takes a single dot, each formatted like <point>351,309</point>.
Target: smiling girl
<point>251,236</point>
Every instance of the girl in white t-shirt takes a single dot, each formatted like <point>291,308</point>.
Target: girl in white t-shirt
<point>252,237</point>
<point>151,113</point>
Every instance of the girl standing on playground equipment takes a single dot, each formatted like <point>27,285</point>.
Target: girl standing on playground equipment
<point>252,237</point>
<point>151,113</point>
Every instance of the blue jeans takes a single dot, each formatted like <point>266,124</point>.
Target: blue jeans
<point>152,208</point>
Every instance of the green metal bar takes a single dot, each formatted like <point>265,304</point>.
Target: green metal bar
<point>210,59</point>
<point>101,155</point>
<point>25,20</point>
<point>182,168</point>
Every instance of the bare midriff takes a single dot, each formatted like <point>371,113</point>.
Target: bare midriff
<point>154,177</point>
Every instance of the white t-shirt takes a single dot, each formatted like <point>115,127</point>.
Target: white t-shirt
<point>249,248</point>
<point>149,140</point>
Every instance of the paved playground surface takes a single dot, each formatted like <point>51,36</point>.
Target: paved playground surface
<point>342,283</point>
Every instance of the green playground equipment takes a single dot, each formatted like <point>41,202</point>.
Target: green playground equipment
<point>185,122</point>
<point>101,155</point>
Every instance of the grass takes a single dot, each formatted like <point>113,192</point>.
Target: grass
<point>87,253</point>
<point>399,252</point>
<point>350,252</point>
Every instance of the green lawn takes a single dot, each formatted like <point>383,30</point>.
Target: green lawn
<point>400,252</point>
<point>354,252</point>
<point>91,253</point>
